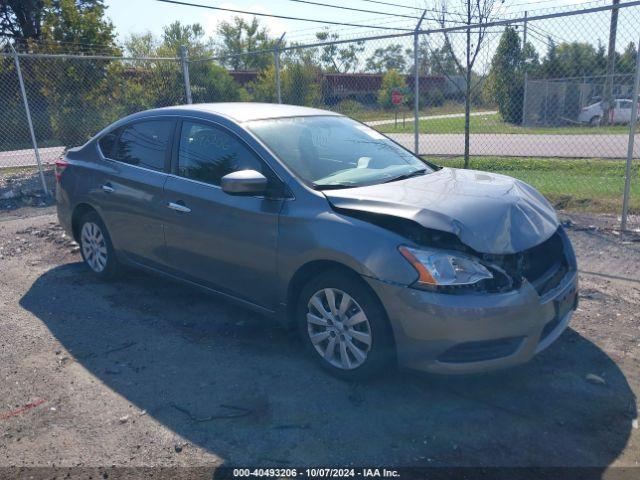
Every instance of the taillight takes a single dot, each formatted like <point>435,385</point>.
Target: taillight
<point>61,165</point>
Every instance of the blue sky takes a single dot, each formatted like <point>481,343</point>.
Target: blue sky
<point>143,15</point>
<point>137,16</point>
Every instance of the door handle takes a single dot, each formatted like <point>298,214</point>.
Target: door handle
<point>178,207</point>
<point>107,188</point>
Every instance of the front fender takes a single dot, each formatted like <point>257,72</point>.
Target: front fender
<point>365,248</point>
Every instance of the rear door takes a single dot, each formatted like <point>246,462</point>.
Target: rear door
<point>225,242</point>
<point>137,158</point>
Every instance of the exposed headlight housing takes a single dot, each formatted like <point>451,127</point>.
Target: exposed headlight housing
<point>445,268</point>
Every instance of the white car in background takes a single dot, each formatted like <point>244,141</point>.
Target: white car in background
<point>621,113</point>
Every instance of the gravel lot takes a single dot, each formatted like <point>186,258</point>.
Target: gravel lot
<point>146,372</point>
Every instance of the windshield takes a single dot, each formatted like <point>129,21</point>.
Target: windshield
<point>336,152</point>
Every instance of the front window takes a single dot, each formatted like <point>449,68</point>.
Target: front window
<point>336,152</point>
<point>208,153</point>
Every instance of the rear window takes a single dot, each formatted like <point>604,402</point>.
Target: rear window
<point>143,144</point>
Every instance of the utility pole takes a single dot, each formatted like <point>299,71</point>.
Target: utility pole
<point>524,34</point>
<point>607,96</point>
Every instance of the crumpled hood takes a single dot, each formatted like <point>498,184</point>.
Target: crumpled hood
<point>488,212</point>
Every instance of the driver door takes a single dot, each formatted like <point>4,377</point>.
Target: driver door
<point>225,242</point>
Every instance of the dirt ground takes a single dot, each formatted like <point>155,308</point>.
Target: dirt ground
<point>147,372</point>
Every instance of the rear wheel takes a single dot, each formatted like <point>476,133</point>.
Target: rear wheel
<point>96,247</point>
<point>595,121</point>
<point>344,326</point>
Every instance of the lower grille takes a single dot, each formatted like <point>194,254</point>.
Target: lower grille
<point>482,350</point>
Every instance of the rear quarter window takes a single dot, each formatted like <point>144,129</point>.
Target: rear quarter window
<point>107,143</point>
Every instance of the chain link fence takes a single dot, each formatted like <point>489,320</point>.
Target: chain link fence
<point>546,102</point>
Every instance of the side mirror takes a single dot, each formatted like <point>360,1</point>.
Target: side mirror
<point>244,182</point>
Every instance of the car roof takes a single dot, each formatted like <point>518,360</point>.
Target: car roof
<point>247,111</point>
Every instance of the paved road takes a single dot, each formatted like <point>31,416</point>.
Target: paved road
<point>514,145</point>
<point>431,117</point>
<point>517,145</point>
<point>19,158</point>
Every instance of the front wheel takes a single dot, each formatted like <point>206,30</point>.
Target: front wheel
<point>96,247</point>
<point>344,326</point>
<point>595,121</point>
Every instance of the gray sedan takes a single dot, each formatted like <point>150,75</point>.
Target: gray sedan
<point>376,256</point>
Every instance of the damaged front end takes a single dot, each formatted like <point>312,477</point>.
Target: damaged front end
<point>543,265</point>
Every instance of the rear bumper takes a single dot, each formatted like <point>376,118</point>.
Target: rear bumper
<point>456,334</point>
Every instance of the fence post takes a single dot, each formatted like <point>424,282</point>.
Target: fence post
<point>632,134</point>
<point>36,151</point>
<point>524,99</point>
<point>184,59</point>
<point>276,59</point>
<point>416,86</point>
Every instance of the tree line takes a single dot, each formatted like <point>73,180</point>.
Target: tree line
<point>71,99</point>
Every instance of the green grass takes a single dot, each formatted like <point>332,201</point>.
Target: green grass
<point>494,124</point>
<point>368,115</point>
<point>592,185</point>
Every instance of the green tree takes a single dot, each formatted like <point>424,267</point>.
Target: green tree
<point>71,25</point>
<point>161,83</point>
<point>573,59</point>
<point>299,84</point>
<point>338,58</point>
<point>443,62</point>
<point>176,35</point>
<point>627,61</point>
<point>216,85</point>
<point>238,37</point>
<point>391,80</point>
<point>69,95</point>
<point>141,45</point>
<point>21,19</point>
<point>387,58</point>
<point>263,89</point>
<point>504,84</point>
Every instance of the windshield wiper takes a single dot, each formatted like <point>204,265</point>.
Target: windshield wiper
<point>333,186</point>
<point>404,176</point>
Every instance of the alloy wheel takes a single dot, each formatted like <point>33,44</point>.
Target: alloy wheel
<point>338,328</point>
<point>94,246</point>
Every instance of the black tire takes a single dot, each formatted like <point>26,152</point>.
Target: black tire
<point>111,266</point>
<point>595,121</point>
<point>381,352</point>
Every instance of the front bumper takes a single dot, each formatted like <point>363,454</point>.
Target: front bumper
<point>456,334</point>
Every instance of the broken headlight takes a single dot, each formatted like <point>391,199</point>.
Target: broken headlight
<point>445,268</point>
